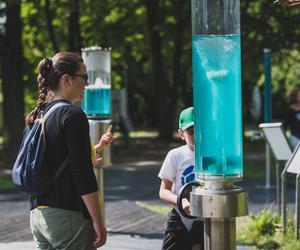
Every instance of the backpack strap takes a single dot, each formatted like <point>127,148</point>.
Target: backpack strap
<point>47,115</point>
<point>52,109</point>
<point>44,119</point>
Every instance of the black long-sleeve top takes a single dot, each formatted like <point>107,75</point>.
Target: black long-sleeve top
<point>67,135</point>
<point>292,121</point>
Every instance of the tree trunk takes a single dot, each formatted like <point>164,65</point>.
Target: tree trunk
<point>12,82</point>
<point>166,92</point>
<point>163,94</point>
<point>50,26</point>
<point>74,28</point>
<point>177,74</point>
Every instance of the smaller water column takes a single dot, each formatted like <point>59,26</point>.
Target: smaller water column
<point>97,104</point>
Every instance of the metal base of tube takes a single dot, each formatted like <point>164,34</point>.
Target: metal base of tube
<point>219,234</point>
<point>97,129</point>
<point>100,180</point>
<point>218,204</point>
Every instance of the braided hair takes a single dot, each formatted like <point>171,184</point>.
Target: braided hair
<point>50,72</point>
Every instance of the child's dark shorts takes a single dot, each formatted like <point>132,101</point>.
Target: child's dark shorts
<point>178,238</point>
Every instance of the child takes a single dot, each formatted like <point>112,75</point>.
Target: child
<point>105,140</point>
<point>177,170</point>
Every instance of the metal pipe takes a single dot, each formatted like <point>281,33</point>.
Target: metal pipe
<point>100,180</point>
<point>268,108</point>
<point>278,188</point>
<point>97,129</point>
<point>297,212</point>
<point>283,199</point>
<point>268,166</point>
<point>267,86</point>
<point>219,234</point>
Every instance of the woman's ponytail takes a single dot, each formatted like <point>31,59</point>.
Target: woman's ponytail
<point>45,69</point>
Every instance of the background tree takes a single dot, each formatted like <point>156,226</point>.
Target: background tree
<point>167,70</point>
<point>12,82</point>
<point>49,18</point>
<point>74,27</point>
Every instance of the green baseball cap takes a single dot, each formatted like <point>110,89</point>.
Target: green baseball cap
<point>186,118</point>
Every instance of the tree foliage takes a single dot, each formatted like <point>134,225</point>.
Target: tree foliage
<point>151,49</point>
<point>265,25</point>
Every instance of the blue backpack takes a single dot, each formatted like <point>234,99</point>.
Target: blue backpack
<point>29,172</point>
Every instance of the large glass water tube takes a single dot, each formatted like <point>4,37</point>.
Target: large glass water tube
<point>217,89</point>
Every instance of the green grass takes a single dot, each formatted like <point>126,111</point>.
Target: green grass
<point>6,182</point>
<point>140,133</point>
<point>254,169</point>
<point>160,209</point>
<point>253,146</point>
<point>254,164</point>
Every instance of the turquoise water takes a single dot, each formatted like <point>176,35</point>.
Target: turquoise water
<point>97,101</point>
<point>218,109</point>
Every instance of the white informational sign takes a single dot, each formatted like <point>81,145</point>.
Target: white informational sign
<point>277,140</point>
<point>293,165</point>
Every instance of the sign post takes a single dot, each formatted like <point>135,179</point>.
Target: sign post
<point>293,166</point>
<point>280,147</point>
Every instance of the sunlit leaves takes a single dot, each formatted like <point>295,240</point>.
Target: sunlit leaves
<point>140,11</point>
<point>115,15</point>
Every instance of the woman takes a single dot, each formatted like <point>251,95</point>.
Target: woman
<point>292,120</point>
<point>68,215</point>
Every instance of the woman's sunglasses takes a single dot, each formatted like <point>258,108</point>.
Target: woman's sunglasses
<point>84,77</point>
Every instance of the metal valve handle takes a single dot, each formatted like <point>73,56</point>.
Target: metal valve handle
<point>185,193</point>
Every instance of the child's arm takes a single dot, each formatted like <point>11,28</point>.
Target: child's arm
<point>167,195</point>
<point>165,192</point>
<point>105,140</point>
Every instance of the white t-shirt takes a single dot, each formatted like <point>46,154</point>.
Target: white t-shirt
<point>179,168</point>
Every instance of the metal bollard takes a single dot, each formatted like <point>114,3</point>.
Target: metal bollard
<point>97,129</point>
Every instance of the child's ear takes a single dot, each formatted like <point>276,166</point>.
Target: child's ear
<point>180,134</point>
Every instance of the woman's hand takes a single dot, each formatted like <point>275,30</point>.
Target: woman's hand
<point>92,203</point>
<point>101,234</point>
